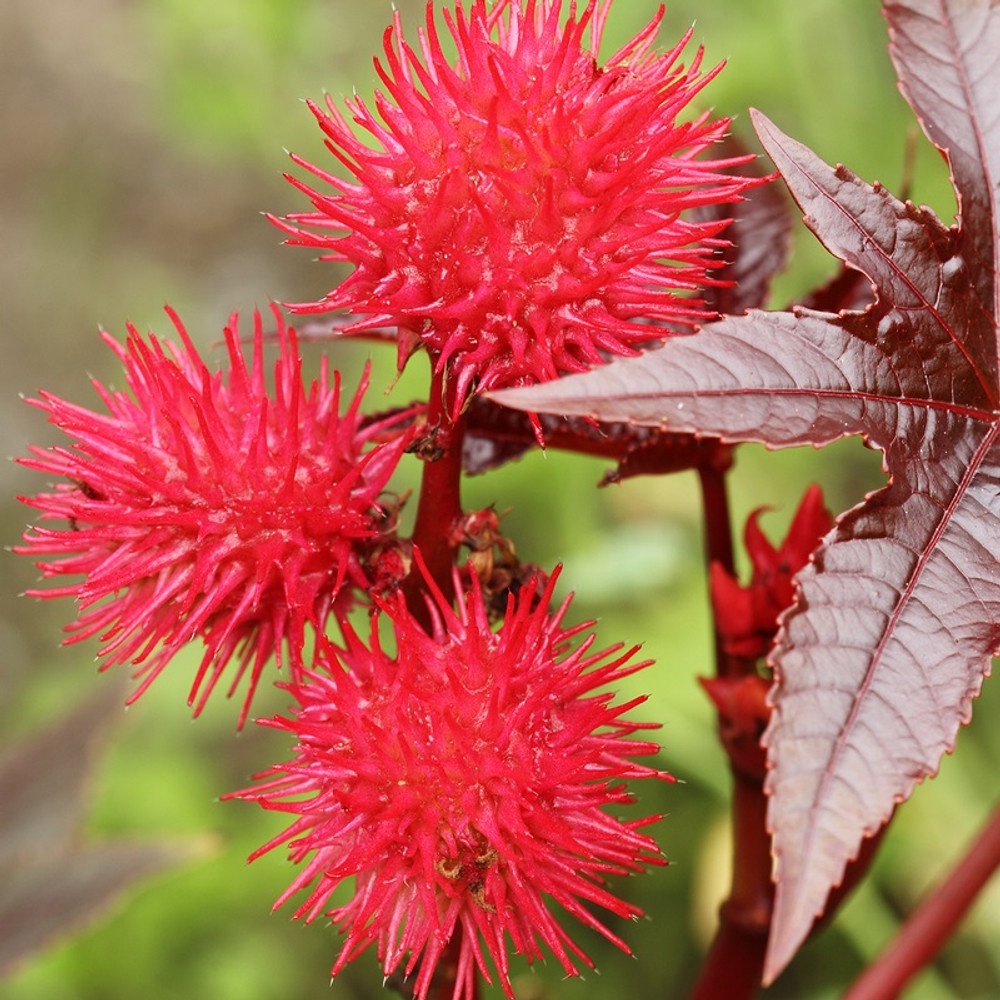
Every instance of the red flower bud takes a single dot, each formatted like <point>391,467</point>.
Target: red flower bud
<point>747,617</point>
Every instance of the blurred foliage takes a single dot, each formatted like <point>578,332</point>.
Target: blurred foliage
<point>53,878</point>
<point>148,138</point>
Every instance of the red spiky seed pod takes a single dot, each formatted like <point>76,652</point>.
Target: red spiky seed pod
<point>202,505</point>
<point>520,211</point>
<point>462,782</point>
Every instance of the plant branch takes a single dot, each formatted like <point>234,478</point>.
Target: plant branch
<point>715,503</point>
<point>447,971</point>
<point>933,923</point>
<point>735,962</point>
<point>496,435</point>
<point>439,505</point>
<point>438,508</point>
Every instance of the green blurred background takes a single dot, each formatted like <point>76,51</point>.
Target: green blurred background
<point>143,140</point>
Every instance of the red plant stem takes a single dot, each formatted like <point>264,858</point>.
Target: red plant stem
<point>735,961</point>
<point>715,502</point>
<point>933,923</point>
<point>440,503</point>
<point>438,508</point>
<point>446,973</point>
<point>719,540</point>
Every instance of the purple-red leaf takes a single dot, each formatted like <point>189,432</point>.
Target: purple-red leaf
<point>945,52</point>
<point>50,881</point>
<point>898,614</point>
<point>45,901</point>
<point>757,241</point>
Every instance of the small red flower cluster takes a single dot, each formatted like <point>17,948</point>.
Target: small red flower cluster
<point>462,781</point>
<point>747,617</point>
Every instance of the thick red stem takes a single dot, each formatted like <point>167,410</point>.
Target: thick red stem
<point>933,923</point>
<point>439,506</point>
<point>446,973</point>
<point>715,502</point>
<point>735,961</point>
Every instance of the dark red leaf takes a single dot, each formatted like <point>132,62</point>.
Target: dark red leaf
<point>43,780</point>
<point>945,52</point>
<point>847,289</point>
<point>897,616</point>
<point>758,239</point>
<point>43,902</point>
<point>51,882</point>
